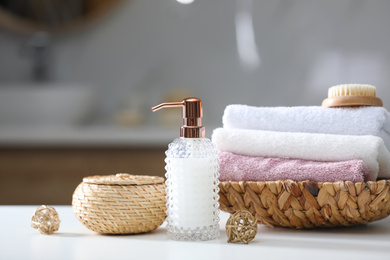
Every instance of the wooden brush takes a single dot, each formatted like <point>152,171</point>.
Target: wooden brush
<point>351,95</point>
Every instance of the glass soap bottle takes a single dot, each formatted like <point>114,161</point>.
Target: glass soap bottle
<point>191,178</point>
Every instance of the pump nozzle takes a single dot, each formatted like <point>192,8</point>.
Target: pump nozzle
<point>169,104</point>
<point>192,117</point>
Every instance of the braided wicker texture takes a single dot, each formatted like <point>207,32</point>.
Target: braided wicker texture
<point>120,204</point>
<point>308,204</point>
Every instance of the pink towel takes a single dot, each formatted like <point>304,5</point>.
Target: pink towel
<point>234,167</point>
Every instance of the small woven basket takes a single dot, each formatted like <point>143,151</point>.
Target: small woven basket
<point>308,204</point>
<point>120,204</point>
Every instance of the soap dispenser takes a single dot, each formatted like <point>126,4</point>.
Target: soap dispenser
<point>191,178</point>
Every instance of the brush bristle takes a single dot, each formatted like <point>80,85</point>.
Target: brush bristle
<point>352,90</point>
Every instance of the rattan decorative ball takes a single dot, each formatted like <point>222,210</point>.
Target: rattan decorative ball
<point>46,220</point>
<point>120,204</point>
<point>241,227</point>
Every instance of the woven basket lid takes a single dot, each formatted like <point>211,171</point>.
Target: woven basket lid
<point>123,179</point>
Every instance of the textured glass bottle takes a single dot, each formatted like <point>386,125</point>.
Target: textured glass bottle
<point>192,178</point>
<point>192,189</point>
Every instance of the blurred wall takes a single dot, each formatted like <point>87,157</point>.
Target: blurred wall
<point>147,48</point>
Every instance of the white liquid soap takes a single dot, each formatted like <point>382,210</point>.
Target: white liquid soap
<point>192,179</point>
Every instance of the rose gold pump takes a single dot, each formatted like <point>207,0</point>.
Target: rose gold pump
<point>192,117</point>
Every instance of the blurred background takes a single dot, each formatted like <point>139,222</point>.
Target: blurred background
<point>78,77</point>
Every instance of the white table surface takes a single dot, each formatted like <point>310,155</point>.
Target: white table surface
<point>73,241</point>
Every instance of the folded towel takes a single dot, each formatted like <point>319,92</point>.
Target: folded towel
<point>234,167</point>
<point>306,146</point>
<point>315,119</point>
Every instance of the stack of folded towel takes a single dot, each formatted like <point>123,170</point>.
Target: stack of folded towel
<point>303,143</point>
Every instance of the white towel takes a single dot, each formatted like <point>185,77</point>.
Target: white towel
<point>314,119</point>
<point>306,146</point>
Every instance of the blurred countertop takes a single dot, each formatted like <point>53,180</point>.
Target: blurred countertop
<point>141,136</point>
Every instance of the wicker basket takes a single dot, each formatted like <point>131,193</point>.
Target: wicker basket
<point>308,204</point>
<point>120,204</point>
